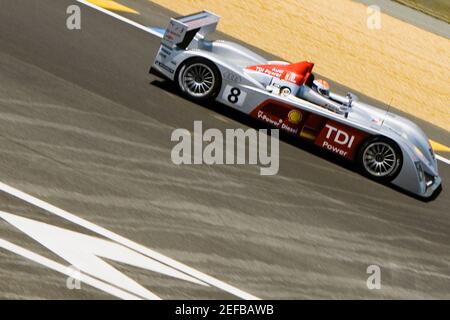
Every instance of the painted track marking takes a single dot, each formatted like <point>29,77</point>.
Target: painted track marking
<point>119,17</point>
<point>112,5</point>
<point>65,270</point>
<point>126,242</point>
<point>439,146</point>
<point>445,160</point>
<point>90,254</point>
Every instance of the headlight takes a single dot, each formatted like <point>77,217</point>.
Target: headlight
<point>429,180</point>
<point>420,171</point>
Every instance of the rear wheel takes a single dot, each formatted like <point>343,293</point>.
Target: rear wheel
<point>380,159</point>
<point>199,79</point>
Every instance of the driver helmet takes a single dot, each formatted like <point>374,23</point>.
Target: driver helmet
<point>322,87</point>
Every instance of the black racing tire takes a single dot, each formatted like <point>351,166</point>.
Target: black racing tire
<point>199,79</point>
<point>380,159</point>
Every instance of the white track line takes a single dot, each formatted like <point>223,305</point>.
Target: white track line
<point>126,242</point>
<point>441,158</point>
<point>119,17</point>
<point>66,271</point>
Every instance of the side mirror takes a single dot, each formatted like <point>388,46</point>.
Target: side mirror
<point>351,98</point>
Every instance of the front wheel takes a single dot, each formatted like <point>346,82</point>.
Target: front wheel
<point>199,79</point>
<point>380,159</point>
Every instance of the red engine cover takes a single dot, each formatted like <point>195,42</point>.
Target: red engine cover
<point>297,73</point>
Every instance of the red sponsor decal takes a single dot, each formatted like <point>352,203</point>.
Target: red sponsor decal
<point>340,139</point>
<point>330,135</point>
<point>297,73</point>
<point>279,115</point>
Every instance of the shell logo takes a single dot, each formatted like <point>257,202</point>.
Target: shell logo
<point>295,116</point>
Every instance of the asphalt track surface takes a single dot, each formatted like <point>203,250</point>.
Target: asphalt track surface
<point>85,128</point>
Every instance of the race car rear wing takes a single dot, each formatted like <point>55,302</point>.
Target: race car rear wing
<point>181,31</point>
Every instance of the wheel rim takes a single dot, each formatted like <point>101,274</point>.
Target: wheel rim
<point>379,159</point>
<point>198,80</point>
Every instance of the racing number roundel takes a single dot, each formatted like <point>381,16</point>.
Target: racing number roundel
<point>234,95</point>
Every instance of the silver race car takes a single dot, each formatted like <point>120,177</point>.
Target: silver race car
<point>385,146</point>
